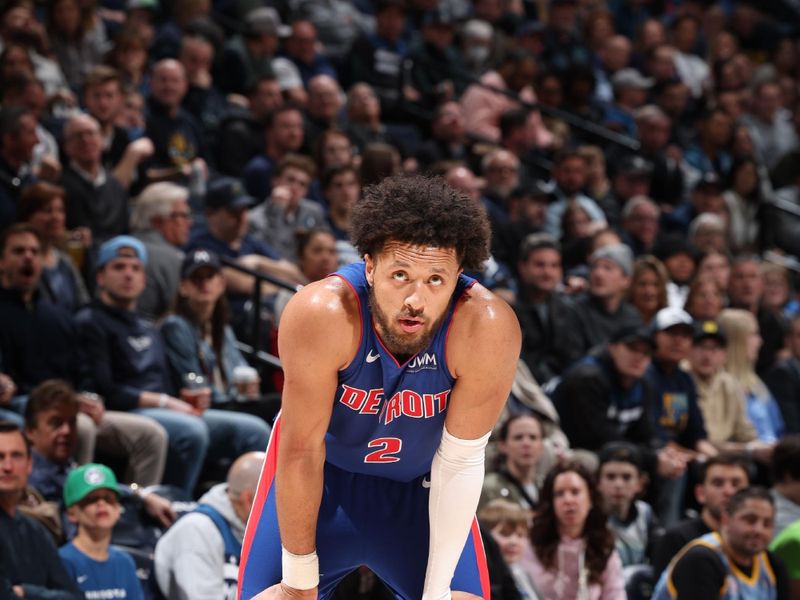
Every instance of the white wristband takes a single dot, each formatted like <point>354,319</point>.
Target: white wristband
<point>300,572</point>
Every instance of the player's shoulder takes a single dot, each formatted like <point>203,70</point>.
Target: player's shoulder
<point>330,299</point>
<point>481,313</point>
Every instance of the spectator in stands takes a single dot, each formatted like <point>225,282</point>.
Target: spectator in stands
<point>483,107</point>
<point>287,209</point>
<point>176,135</point>
<point>509,525</point>
<point>550,343</point>
<point>437,70</point>
<point>570,175</point>
<point>720,477</point>
<point>338,23</point>
<point>640,224</point>
<point>743,200</point>
<point>341,189</point>
<point>769,124</point>
<point>630,94</point>
<point>103,97</point>
<point>744,341</point>
<point>676,416</point>
<point>51,427</point>
<point>202,100</point>
<point>710,153</point>
<point>379,161</point>
<point>632,177</point>
<point>95,198</point>
<point>648,291</point>
<point>715,266</point>
<point>691,69</point>
<point>17,141</point>
<point>783,380</point>
<point>302,47</point>
<point>527,209</point>
<point>129,369</point>
<point>365,118</point>
<point>708,232</point>
<point>654,130</point>
<point>620,480</point>
<point>91,498</point>
<point>448,140</point>
<point>325,101</point>
<point>705,299</point>
<point>283,135</point>
<point>786,478</point>
<point>745,290</point>
<point>241,135</point>
<point>37,338</point>
<point>161,221</point>
<point>516,478</point>
<point>604,309</point>
<point>253,54</point>
<point>78,38</point>
<point>720,395</point>
<point>42,205</point>
<point>198,338</point>
<point>333,149</point>
<point>571,524</point>
<point>377,58</point>
<point>678,257</point>
<point>226,209</point>
<point>718,561</point>
<point>30,566</point>
<point>784,545</point>
<point>198,557</point>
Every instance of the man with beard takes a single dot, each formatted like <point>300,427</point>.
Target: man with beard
<point>733,562</point>
<point>365,408</point>
<point>570,172</point>
<point>720,477</point>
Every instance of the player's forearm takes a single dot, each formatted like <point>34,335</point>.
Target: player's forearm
<point>298,495</point>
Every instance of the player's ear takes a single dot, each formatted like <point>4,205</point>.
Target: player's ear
<point>369,269</point>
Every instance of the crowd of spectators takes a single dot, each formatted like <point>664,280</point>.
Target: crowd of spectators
<point>638,161</point>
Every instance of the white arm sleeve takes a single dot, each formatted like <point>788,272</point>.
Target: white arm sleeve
<point>456,481</point>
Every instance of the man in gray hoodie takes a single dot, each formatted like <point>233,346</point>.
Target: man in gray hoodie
<point>198,557</point>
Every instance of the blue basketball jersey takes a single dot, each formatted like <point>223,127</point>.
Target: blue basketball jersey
<point>388,417</point>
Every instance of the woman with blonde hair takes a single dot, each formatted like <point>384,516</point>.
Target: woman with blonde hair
<point>648,291</point>
<point>744,342</point>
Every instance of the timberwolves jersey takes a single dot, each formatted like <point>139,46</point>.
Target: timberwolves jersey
<point>388,417</point>
<point>760,585</point>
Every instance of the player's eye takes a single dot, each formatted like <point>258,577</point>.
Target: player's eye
<point>400,276</point>
<point>436,280</point>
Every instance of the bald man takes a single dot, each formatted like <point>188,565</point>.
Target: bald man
<point>198,557</point>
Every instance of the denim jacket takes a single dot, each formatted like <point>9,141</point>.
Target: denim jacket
<point>188,352</point>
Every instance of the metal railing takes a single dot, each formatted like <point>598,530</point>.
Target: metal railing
<point>257,326</point>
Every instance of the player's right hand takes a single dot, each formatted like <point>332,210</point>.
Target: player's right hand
<point>281,591</point>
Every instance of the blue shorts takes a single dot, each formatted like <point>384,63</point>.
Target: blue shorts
<point>363,520</point>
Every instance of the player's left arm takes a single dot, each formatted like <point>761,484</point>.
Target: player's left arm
<point>482,354</point>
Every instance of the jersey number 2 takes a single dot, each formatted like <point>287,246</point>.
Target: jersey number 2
<point>386,447</point>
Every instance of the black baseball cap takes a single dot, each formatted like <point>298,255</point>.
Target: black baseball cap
<point>198,258</point>
<point>709,330</point>
<point>227,192</point>
<point>630,334</point>
<point>623,452</point>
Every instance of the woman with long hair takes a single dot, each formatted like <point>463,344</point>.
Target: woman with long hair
<point>78,37</point>
<point>574,555</point>
<point>200,342</point>
<point>42,205</point>
<point>648,291</point>
<point>520,444</point>
<point>744,342</point>
<point>744,199</point>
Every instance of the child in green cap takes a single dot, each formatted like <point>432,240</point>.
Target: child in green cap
<point>92,502</point>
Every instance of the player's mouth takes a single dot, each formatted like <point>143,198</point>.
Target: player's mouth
<point>411,324</point>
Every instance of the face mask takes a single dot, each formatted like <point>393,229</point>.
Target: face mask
<point>477,54</point>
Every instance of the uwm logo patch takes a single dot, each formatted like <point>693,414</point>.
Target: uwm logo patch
<point>405,403</point>
<point>422,362</point>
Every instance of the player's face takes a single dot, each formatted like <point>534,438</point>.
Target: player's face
<point>410,288</point>
<point>750,528</point>
<point>571,500</point>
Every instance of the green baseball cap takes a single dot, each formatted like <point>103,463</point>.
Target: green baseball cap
<point>85,479</point>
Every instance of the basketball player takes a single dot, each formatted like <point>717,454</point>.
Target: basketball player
<point>396,370</point>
